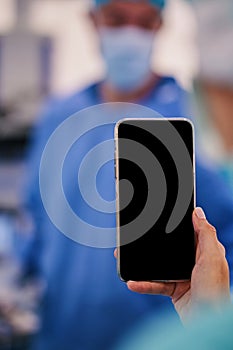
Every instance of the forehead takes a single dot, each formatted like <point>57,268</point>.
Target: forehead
<point>130,9</point>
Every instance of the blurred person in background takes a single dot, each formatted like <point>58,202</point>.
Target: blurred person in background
<point>214,84</point>
<point>85,305</point>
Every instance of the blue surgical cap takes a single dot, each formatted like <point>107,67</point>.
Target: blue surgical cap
<point>158,3</point>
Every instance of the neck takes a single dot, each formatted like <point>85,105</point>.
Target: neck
<point>111,94</point>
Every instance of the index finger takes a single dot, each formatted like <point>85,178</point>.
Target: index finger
<point>159,288</point>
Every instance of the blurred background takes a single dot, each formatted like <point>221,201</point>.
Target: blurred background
<point>48,47</point>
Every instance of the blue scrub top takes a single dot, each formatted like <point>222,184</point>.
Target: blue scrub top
<point>86,306</point>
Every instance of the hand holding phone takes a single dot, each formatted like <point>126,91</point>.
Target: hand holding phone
<point>210,284</point>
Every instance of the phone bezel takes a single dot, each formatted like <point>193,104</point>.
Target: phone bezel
<point>116,166</point>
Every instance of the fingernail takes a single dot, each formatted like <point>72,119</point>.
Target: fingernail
<point>200,213</point>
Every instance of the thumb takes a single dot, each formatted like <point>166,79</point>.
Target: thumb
<point>206,233</point>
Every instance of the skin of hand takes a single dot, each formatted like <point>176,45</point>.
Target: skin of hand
<point>210,277</point>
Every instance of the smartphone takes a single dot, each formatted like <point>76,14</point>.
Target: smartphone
<point>155,199</point>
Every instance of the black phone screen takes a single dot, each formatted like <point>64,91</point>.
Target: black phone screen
<point>155,199</point>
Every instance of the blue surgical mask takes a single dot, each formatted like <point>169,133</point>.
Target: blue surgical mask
<point>127,54</point>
